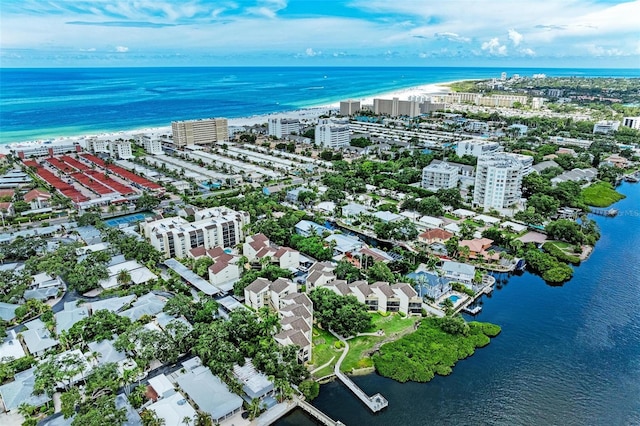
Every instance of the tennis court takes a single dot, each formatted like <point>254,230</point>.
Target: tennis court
<point>126,220</point>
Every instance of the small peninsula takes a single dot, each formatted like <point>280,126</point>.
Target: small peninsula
<point>433,349</point>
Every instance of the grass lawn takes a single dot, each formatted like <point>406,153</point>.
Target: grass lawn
<point>323,351</point>
<point>601,194</point>
<point>391,325</point>
<point>450,216</point>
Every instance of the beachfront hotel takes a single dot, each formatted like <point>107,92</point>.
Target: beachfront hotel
<point>199,132</point>
<point>332,135</point>
<point>349,107</point>
<point>498,182</point>
<point>214,227</point>
<point>396,108</point>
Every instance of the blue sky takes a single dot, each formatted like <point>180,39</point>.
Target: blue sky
<point>549,33</point>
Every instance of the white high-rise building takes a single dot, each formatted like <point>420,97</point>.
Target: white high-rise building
<point>498,182</point>
<point>283,126</point>
<point>200,132</point>
<point>152,144</point>
<point>214,227</point>
<point>477,147</point>
<point>121,149</point>
<point>332,135</point>
<point>605,127</point>
<point>439,176</point>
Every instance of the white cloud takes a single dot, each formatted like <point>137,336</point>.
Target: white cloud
<point>515,37</point>
<point>91,49</point>
<point>494,47</point>
<point>310,52</point>
<point>452,37</point>
<point>122,49</point>
<point>528,52</point>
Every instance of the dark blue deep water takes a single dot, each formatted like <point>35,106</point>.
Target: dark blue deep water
<point>46,103</point>
<point>567,355</point>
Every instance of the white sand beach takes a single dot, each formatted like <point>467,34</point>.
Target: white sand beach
<point>310,113</point>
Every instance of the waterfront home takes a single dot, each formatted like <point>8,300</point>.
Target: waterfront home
<point>381,296</point>
<point>354,210</point>
<point>20,390</point>
<point>296,319</point>
<point>306,228</point>
<point>210,394</point>
<point>457,271</point>
<point>576,175</point>
<point>435,236</point>
<point>344,243</point>
<point>387,217</point>
<point>174,409</point>
<point>478,248</point>
<point>255,384</point>
<point>616,160</point>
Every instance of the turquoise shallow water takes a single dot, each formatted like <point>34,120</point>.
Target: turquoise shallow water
<point>567,355</point>
<point>46,103</point>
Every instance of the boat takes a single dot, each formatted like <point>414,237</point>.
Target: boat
<point>631,178</point>
<point>475,310</point>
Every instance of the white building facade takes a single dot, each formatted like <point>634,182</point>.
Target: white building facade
<point>477,147</point>
<point>279,127</point>
<point>498,182</point>
<point>439,176</point>
<point>332,135</point>
<point>216,227</point>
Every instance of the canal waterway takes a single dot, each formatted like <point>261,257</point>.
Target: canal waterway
<point>567,355</point>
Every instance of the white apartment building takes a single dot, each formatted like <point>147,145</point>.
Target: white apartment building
<point>498,182</point>
<point>96,145</point>
<point>279,127</point>
<point>120,149</point>
<point>175,236</point>
<point>200,132</point>
<point>349,107</point>
<point>439,176</point>
<point>151,143</point>
<point>396,108</point>
<point>332,135</point>
<point>606,127</point>
<point>477,147</point>
<point>633,122</point>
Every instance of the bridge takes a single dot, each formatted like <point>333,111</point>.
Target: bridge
<point>376,402</point>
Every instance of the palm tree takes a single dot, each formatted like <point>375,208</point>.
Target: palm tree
<point>124,277</point>
<point>254,408</point>
<point>203,419</point>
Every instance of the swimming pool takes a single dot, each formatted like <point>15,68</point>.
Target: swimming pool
<point>454,298</point>
<point>127,219</point>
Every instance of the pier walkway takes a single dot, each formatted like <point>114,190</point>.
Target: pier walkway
<point>376,402</point>
<point>280,410</point>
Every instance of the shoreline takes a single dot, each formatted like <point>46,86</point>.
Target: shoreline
<point>310,112</point>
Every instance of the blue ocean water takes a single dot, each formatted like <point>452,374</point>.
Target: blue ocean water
<point>46,103</point>
<point>567,355</point>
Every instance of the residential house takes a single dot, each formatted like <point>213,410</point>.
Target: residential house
<point>381,296</point>
<point>456,271</point>
<point>20,391</point>
<point>296,319</point>
<point>37,338</point>
<point>307,228</point>
<point>38,199</point>
<point>255,384</point>
<point>617,161</point>
<point>354,210</point>
<point>435,236</point>
<point>210,394</point>
<point>262,292</point>
<point>478,248</point>
<point>43,287</point>
<point>71,314</point>
<point>8,311</point>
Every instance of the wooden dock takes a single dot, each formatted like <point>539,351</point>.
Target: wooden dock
<point>376,402</point>
<point>605,212</point>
